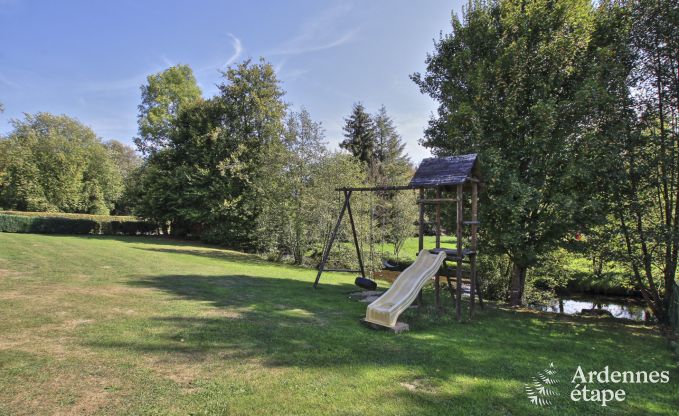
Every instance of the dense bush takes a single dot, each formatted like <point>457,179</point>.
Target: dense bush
<point>48,223</point>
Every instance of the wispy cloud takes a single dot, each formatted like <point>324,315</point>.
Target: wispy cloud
<point>237,50</point>
<point>318,34</point>
<point>167,61</point>
<point>237,46</point>
<point>288,75</point>
<point>136,81</point>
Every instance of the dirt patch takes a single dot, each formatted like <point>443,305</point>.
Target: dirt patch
<point>366,296</point>
<point>6,273</point>
<point>72,324</point>
<point>222,313</point>
<point>419,385</point>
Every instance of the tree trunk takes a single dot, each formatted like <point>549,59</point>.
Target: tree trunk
<point>517,284</point>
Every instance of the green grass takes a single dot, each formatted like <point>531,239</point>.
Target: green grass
<point>114,325</point>
<point>411,246</point>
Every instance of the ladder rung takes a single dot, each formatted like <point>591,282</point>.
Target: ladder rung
<point>471,222</point>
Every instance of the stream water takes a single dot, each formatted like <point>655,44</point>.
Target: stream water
<point>618,307</point>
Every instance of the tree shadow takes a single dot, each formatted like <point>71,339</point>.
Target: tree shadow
<point>284,323</point>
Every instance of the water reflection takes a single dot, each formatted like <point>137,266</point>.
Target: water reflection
<point>618,308</point>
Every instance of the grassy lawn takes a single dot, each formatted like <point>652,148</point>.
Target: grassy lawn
<point>114,325</point>
<point>411,246</point>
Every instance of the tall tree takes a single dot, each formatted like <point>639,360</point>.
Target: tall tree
<point>511,82</point>
<point>388,144</point>
<point>646,185</point>
<point>359,133</point>
<point>219,159</point>
<point>55,163</point>
<point>290,209</point>
<point>163,96</point>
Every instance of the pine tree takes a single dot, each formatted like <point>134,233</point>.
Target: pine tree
<point>359,131</point>
<point>389,147</point>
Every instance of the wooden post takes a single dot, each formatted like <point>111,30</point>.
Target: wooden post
<point>458,226</point>
<point>438,218</point>
<point>420,243</point>
<point>438,245</point>
<point>353,231</point>
<point>472,258</point>
<point>333,235</point>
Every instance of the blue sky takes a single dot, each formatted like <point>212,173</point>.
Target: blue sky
<point>87,59</point>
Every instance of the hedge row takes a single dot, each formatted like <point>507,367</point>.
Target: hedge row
<point>64,225</point>
<point>95,217</point>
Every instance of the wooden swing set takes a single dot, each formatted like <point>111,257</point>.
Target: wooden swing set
<point>436,179</point>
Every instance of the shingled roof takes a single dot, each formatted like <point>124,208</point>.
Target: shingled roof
<point>440,171</point>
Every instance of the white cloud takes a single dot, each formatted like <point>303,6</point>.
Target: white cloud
<point>237,50</point>
<point>317,34</point>
<point>237,46</point>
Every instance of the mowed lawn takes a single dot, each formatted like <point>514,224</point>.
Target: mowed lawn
<point>105,325</point>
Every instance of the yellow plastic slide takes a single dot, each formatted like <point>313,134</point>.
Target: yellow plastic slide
<point>387,308</point>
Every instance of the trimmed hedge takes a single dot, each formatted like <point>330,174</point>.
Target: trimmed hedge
<point>72,224</point>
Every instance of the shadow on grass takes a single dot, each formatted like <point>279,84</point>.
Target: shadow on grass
<point>284,322</point>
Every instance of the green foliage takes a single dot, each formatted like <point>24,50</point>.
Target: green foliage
<point>644,185</point>
<point>400,221</point>
<point>359,133</point>
<point>162,99</point>
<point>300,203</point>
<point>207,178</point>
<point>50,223</point>
<point>512,82</point>
<point>388,145</point>
<point>55,163</point>
<point>127,162</point>
<point>45,225</point>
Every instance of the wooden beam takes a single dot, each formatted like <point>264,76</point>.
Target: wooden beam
<point>458,234</point>
<point>376,188</point>
<point>438,218</point>
<point>333,235</point>
<point>474,223</point>
<point>420,243</point>
<point>435,200</point>
<point>353,231</point>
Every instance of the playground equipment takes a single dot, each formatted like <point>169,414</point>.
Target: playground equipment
<point>386,309</point>
<point>435,179</point>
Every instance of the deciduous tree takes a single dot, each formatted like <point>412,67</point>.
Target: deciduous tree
<point>512,81</point>
<point>164,95</point>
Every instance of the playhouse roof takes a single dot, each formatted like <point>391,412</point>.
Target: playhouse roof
<point>440,171</point>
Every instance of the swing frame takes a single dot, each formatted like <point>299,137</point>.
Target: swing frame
<point>449,174</point>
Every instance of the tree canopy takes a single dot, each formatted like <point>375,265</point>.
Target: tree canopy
<point>164,95</point>
<point>359,133</point>
<point>55,163</point>
<point>512,81</point>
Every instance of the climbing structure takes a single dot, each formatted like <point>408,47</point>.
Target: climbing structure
<point>439,181</point>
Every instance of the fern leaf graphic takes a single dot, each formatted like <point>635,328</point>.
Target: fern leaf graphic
<point>538,391</point>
